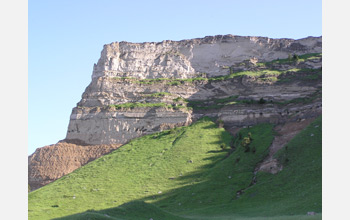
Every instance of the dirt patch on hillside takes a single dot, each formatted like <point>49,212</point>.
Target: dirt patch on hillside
<point>51,162</point>
<point>285,133</point>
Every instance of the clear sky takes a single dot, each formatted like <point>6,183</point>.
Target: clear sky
<point>65,39</point>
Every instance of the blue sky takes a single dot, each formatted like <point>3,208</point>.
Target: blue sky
<point>65,39</point>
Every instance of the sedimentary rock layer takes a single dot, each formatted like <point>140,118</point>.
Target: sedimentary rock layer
<point>186,58</point>
<point>142,88</point>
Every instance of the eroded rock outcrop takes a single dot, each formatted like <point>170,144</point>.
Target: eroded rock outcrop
<point>51,162</point>
<point>142,88</point>
<point>186,58</point>
<point>285,133</point>
<point>148,74</point>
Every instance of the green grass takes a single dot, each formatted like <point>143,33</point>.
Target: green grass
<point>302,58</point>
<point>305,100</point>
<point>188,105</point>
<point>309,75</point>
<point>264,75</point>
<point>132,105</point>
<point>171,81</point>
<point>269,74</point>
<point>234,100</point>
<point>138,170</point>
<point>261,75</point>
<point>184,174</point>
<point>295,190</point>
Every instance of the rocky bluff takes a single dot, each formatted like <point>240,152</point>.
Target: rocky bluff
<point>142,88</point>
<point>162,79</point>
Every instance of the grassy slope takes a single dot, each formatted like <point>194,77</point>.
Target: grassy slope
<point>139,169</point>
<point>294,191</point>
<point>204,189</point>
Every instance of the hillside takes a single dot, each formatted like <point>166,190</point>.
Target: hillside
<point>193,172</point>
<point>138,89</point>
<point>219,127</point>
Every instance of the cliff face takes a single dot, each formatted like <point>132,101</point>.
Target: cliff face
<point>142,88</point>
<point>186,58</point>
<point>150,74</point>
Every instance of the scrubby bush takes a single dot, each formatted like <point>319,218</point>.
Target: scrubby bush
<point>221,123</point>
<point>250,136</point>
<point>245,143</point>
<point>223,146</point>
<point>262,101</point>
<point>295,57</point>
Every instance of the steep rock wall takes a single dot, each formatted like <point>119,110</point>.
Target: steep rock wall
<point>137,72</point>
<point>93,126</point>
<point>186,58</point>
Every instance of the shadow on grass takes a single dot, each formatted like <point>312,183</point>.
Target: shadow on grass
<point>212,185</point>
<point>210,192</point>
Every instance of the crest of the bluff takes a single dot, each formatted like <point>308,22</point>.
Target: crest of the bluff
<point>188,58</point>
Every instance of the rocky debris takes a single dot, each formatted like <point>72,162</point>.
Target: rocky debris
<point>51,162</point>
<point>271,166</point>
<point>285,133</point>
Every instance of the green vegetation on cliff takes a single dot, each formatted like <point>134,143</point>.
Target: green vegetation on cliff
<point>292,59</point>
<point>262,75</point>
<point>266,73</point>
<point>235,100</point>
<point>183,173</point>
<point>132,105</point>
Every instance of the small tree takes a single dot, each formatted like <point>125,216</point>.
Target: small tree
<point>295,57</point>
<point>262,101</point>
<point>221,123</point>
<point>223,146</point>
<point>245,143</point>
<point>250,136</point>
